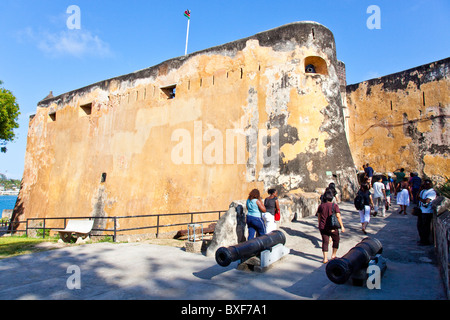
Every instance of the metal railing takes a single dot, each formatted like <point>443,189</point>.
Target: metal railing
<point>115,230</point>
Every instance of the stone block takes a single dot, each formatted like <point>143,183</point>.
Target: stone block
<point>193,247</point>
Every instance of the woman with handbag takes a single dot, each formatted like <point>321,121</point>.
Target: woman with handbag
<point>255,210</point>
<point>329,225</point>
<point>272,207</point>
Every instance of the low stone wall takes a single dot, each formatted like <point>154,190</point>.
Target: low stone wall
<point>441,226</point>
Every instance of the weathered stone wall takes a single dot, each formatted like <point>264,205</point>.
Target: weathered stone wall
<point>441,226</point>
<point>401,120</point>
<point>245,115</point>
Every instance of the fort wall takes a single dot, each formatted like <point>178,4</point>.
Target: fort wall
<point>194,133</point>
<point>401,120</point>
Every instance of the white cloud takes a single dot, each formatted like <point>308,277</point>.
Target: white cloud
<point>372,75</point>
<point>76,43</point>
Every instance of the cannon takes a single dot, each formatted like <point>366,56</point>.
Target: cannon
<point>353,262</point>
<point>250,248</point>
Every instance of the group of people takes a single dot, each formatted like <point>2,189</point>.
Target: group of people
<point>261,215</point>
<point>412,190</point>
<point>376,191</point>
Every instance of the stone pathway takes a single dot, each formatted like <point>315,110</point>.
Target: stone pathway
<point>152,272</point>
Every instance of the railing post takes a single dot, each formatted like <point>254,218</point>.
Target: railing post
<point>157,226</point>
<point>115,229</point>
<point>43,231</point>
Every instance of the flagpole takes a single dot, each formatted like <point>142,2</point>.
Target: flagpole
<point>187,37</point>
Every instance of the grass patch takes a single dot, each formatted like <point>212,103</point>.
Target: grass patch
<point>15,246</point>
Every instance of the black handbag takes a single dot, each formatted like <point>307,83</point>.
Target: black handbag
<point>332,221</point>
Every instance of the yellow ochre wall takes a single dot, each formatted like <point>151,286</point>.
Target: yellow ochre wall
<point>194,152</point>
<point>401,121</point>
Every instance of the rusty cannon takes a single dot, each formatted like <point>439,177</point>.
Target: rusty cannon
<point>270,246</point>
<point>355,262</point>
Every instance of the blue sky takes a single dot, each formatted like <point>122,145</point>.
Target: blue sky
<point>39,54</point>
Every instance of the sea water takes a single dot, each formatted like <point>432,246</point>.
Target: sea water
<point>7,202</point>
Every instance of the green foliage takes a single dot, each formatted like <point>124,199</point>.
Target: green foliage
<point>9,184</point>
<point>444,189</point>
<point>9,114</point>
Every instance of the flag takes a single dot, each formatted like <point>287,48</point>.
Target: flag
<point>187,14</point>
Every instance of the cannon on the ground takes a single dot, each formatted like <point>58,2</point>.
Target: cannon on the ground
<point>354,262</point>
<point>245,250</point>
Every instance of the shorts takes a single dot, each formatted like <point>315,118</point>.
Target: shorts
<point>364,214</point>
<point>326,234</point>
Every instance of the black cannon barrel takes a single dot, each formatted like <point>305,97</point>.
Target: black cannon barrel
<point>250,248</point>
<point>340,270</point>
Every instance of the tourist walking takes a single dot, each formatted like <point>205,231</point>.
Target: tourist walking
<point>425,214</point>
<point>332,188</point>
<point>272,206</point>
<point>379,196</point>
<point>369,173</point>
<point>324,211</point>
<point>403,196</point>
<point>364,214</point>
<point>399,176</point>
<point>415,183</point>
<point>387,187</point>
<point>255,209</point>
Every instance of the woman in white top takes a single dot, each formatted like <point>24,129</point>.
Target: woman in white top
<point>403,196</point>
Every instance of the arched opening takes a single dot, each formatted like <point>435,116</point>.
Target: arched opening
<point>316,64</point>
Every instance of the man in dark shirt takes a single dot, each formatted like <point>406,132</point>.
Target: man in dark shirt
<point>415,184</point>
<point>369,173</point>
<point>400,175</point>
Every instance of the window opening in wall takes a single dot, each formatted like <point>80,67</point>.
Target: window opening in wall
<point>169,91</point>
<point>423,95</point>
<point>391,105</point>
<point>314,36</point>
<point>86,109</point>
<point>213,80</point>
<point>52,116</point>
<point>242,73</point>
<point>103,179</point>
<point>314,64</point>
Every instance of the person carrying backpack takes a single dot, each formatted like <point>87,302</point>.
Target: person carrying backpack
<point>364,203</point>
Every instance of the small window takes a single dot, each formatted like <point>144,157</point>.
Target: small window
<point>169,91</point>
<point>316,65</point>
<point>52,116</point>
<point>86,109</point>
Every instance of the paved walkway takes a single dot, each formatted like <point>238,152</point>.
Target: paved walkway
<point>145,271</point>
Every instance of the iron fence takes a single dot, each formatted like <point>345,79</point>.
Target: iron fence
<point>114,232</point>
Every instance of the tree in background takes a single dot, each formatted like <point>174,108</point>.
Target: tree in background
<point>9,114</point>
